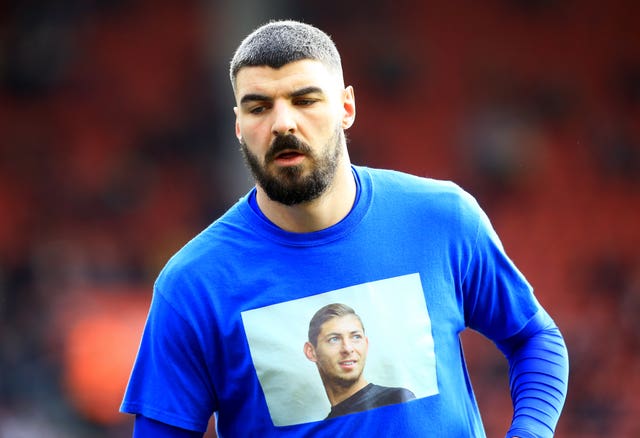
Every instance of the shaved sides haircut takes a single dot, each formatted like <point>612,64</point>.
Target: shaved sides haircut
<point>278,43</point>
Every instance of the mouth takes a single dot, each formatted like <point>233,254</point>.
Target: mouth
<point>289,157</point>
<point>347,364</point>
<point>288,153</point>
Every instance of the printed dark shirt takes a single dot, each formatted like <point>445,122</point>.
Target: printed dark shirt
<point>369,397</point>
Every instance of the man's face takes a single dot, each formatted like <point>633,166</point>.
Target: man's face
<point>290,122</point>
<point>341,351</point>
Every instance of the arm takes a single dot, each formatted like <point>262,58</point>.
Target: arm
<point>145,428</point>
<point>500,304</point>
<point>169,381</point>
<point>538,363</point>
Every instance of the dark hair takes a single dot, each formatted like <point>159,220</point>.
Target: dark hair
<point>326,313</point>
<point>278,43</point>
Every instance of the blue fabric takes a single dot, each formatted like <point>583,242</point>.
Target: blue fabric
<point>194,357</point>
<point>147,428</point>
<point>538,377</point>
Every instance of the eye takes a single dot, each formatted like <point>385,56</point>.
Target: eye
<point>257,109</point>
<point>305,102</point>
<point>333,340</point>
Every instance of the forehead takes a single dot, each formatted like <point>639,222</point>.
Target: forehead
<point>347,323</point>
<point>288,78</point>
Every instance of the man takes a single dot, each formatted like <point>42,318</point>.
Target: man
<point>314,224</point>
<point>338,346</point>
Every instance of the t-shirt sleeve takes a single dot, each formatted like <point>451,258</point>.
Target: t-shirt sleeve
<point>145,427</point>
<point>498,300</point>
<point>169,380</point>
<point>500,304</point>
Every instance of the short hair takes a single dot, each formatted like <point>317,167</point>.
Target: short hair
<point>278,43</point>
<point>326,313</point>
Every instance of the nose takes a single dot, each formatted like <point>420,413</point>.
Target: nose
<point>283,119</point>
<point>347,347</point>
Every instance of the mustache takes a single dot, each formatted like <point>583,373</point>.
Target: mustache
<point>286,142</point>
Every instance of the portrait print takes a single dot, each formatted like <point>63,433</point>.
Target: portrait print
<point>385,348</point>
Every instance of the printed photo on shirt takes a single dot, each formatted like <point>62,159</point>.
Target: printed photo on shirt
<point>343,351</point>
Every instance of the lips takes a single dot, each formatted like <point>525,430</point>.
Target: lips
<point>287,155</point>
<point>347,364</point>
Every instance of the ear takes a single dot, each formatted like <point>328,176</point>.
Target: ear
<point>238,134</point>
<point>310,352</point>
<point>349,106</point>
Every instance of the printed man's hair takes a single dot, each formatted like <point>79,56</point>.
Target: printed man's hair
<point>326,313</point>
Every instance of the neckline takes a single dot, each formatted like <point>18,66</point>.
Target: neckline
<point>258,222</point>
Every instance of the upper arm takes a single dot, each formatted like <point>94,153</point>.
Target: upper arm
<point>498,300</point>
<point>170,380</point>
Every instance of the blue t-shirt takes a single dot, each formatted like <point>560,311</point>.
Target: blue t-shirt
<point>416,258</point>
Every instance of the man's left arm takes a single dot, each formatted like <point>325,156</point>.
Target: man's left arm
<point>500,304</point>
<point>538,377</point>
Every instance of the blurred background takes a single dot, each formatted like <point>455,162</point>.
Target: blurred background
<point>117,146</point>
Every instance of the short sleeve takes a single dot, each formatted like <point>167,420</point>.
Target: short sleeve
<point>498,300</point>
<point>169,381</point>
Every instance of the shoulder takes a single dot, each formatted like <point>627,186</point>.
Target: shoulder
<point>421,197</point>
<point>212,248</point>
<point>394,178</point>
<point>392,182</point>
<point>390,395</point>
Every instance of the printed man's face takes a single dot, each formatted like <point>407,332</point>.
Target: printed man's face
<point>341,351</point>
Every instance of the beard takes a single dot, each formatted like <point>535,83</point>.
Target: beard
<point>333,379</point>
<point>289,185</point>
<point>342,382</point>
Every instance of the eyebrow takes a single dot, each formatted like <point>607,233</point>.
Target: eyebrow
<point>255,97</point>
<point>306,90</point>
<point>352,332</point>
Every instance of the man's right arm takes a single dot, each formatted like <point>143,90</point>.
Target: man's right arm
<point>145,427</point>
<point>168,390</point>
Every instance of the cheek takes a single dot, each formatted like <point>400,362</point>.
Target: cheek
<point>242,130</point>
<point>360,347</point>
<point>324,356</point>
<point>323,125</point>
<point>253,133</point>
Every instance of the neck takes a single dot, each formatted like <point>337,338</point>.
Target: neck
<point>327,210</point>
<point>337,394</point>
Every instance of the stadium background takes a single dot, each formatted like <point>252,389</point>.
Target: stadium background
<point>117,145</point>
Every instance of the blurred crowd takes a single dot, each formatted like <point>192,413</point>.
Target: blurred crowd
<point>117,146</point>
